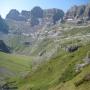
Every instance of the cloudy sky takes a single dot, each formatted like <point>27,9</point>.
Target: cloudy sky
<point>7,5</point>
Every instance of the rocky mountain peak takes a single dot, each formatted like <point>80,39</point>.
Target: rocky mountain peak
<point>36,15</point>
<point>82,11</point>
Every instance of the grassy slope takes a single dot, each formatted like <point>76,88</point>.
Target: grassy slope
<point>56,74</point>
<point>14,66</point>
<point>58,70</point>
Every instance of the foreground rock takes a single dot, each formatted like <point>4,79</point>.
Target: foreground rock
<point>86,61</point>
<point>4,47</point>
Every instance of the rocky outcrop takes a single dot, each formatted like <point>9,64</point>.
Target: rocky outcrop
<point>85,79</point>
<point>37,12</point>
<point>4,47</point>
<point>71,13</point>
<point>15,15</point>
<point>86,61</point>
<point>87,12</point>
<point>81,12</point>
<point>26,14</point>
<point>72,48</point>
<point>53,14</point>
<point>3,26</point>
<point>36,15</point>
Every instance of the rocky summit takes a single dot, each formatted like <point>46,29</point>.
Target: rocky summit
<point>36,15</point>
<point>82,12</point>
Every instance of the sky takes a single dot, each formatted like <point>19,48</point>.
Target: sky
<point>7,5</point>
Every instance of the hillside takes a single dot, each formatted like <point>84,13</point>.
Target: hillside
<point>13,67</point>
<point>59,72</point>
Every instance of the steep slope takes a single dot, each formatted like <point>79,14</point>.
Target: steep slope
<point>59,72</point>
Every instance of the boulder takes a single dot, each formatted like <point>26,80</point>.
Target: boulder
<point>72,48</point>
<point>4,47</point>
<point>86,61</point>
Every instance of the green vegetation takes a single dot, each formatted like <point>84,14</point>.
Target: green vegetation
<point>78,31</point>
<point>58,71</point>
<point>14,67</point>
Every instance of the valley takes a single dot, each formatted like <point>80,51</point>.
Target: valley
<point>42,52</point>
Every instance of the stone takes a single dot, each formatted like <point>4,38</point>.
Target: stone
<point>72,48</point>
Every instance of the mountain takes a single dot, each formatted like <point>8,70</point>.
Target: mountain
<point>15,15</point>
<point>48,52</point>
<point>82,11</point>
<point>36,15</point>
<point>38,18</point>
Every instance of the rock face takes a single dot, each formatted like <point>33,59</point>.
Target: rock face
<point>36,15</point>
<point>37,12</point>
<point>53,14</point>
<point>87,11</point>
<point>15,15</point>
<point>26,14</point>
<point>71,13</point>
<point>3,47</point>
<point>3,26</point>
<point>76,12</point>
<point>86,61</point>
